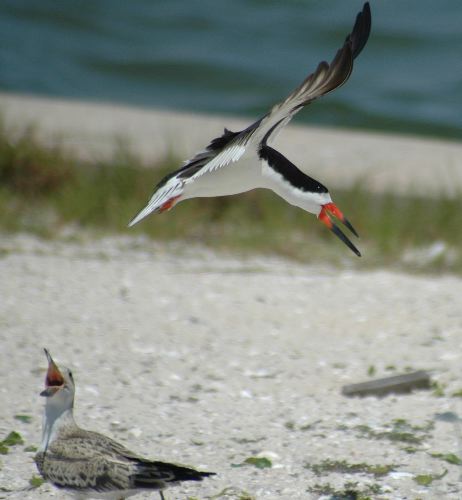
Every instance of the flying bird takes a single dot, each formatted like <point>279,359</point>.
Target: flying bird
<point>87,464</point>
<point>240,161</point>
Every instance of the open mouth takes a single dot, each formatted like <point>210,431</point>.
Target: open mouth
<point>54,379</point>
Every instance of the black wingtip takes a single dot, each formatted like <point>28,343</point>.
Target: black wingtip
<point>207,474</point>
<point>361,30</point>
<point>163,471</point>
<point>338,232</point>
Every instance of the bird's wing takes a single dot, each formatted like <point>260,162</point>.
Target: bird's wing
<point>231,145</point>
<point>81,444</point>
<point>222,151</point>
<point>326,78</point>
<point>92,461</point>
<point>143,473</point>
<point>83,468</point>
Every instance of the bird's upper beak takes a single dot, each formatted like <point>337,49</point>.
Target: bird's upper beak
<point>54,379</point>
<point>325,217</point>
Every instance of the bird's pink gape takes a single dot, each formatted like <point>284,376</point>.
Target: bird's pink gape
<point>54,378</point>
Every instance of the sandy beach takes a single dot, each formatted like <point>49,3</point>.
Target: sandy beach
<point>207,359</point>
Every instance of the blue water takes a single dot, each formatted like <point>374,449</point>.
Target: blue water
<point>240,57</point>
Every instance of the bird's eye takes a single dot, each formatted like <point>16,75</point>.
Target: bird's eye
<point>70,375</point>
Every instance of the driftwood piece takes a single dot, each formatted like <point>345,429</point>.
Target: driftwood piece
<point>397,384</point>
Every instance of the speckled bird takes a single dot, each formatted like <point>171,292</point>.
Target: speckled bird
<point>87,464</point>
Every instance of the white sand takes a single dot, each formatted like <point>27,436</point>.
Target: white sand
<point>335,157</point>
<point>207,359</point>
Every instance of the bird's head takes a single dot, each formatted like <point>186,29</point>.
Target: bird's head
<point>329,210</point>
<point>59,385</point>
<point>301,190</point>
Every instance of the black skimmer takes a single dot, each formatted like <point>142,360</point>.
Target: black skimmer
<point>240,161</point>
<point>87,464</point>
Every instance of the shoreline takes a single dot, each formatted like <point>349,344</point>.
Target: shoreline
<point>338,158</point>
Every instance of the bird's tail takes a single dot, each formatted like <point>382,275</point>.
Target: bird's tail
<point>156,475</point>
<point>164,198</point>
<point>182,473</point>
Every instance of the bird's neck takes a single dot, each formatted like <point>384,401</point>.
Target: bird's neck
<point>55,421</point>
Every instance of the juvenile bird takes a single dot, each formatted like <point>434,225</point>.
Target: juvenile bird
<point>87,464</point>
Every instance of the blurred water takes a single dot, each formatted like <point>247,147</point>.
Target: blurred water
<point>240,57</point>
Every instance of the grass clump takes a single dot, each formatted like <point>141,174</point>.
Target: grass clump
<point>44,189</point>
<point>36,482</point>
<point>344,467</point>
<point>427,479</point>
<point>399,430</point>
<point>350,491</point>
<point>437,389</point>
<point>450,458</point>
<point>258,462</point>
<point>13,439</point>
<point>26,419</point>
<point>29,169</point>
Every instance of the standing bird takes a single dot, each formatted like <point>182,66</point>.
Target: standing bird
<point>240,161</point>
<point>90,465</point>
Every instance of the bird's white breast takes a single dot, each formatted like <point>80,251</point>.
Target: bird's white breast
<point>233,178</point>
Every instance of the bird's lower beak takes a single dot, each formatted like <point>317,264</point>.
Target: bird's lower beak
<point>49,391</point>
<point>325,217</point>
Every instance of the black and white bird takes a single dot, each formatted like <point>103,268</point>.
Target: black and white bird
<point>240,161</point>
<point>87,464</point>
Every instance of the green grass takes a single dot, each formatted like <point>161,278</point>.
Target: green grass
<point>399,431</point>
<point>13,439</point>
<point>450,458</point>
<point>36,482</point>
<point>349,491</point>
<point>26,419</point>
<point>258,462</point>
<point>344,467</point>
<point>427,479</point>
<point>44,190</point>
